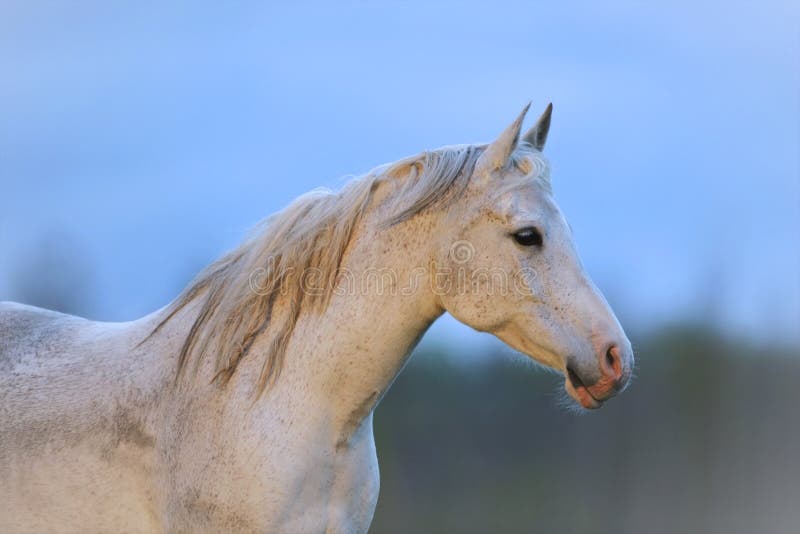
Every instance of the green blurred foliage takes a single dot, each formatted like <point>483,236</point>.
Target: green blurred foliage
<point>705,439</point>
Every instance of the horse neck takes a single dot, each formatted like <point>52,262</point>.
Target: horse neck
<point>344,359</point>
<point>340,361</point>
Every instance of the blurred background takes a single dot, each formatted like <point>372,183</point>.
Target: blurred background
<point>139,141</point>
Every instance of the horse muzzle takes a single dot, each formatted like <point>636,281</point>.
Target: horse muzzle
<point>610,376</point>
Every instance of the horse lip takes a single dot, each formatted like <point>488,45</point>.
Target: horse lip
<point>578,391</point>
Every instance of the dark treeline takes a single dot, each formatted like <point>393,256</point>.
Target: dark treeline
<point>706,440</point>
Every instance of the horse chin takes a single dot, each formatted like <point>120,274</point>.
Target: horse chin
<point>581,395</point>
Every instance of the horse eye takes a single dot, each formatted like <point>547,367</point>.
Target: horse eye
<point>528,237</point>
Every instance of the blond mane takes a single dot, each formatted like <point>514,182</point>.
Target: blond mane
<point>310,235</point>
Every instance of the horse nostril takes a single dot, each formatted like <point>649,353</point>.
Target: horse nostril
<point>610,358</point>
<point>613,363</point>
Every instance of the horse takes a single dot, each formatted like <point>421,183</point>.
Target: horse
<point>246,404</point>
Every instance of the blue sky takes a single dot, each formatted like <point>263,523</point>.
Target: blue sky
<point>142,141</point>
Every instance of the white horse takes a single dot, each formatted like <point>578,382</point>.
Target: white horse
<point>246,404</point>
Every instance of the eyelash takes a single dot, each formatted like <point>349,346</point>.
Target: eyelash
<point>528,237</point>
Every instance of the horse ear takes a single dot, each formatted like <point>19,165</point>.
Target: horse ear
<point>537,135</point>
<point>497,153</point>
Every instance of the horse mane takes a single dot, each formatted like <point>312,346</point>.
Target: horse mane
<point>309,236</point>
